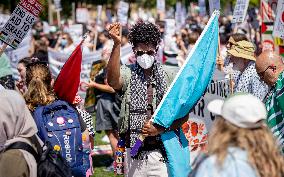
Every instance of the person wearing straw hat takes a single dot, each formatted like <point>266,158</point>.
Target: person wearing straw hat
<point>240,144</point>
<point>242,58</point>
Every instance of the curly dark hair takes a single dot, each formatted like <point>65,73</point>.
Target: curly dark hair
<point>144,32</point>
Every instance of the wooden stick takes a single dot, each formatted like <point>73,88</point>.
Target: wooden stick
<point>220,66</point>
<point>58,18</point>
<point>95,41</point>
<point>231,83</point>
<point>3,48</point>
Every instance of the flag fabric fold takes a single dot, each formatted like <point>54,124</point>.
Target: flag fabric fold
<point>185,91</point>
<point>68,80</point>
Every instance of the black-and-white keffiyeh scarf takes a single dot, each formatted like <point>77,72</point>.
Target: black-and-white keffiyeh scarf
<point>138,96</point>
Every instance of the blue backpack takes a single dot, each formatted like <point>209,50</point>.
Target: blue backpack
<point>58,123</point>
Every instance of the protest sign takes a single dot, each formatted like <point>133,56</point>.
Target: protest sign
<point>268,15</point>
<point>240,11</point>
<point>161,6</point>
<point>109,15</point>
<point>21,20</point>
<point>178,15</point>
<point>57,4</point>
<point>99,12</point>
<point>202,7</point>
<point>268,11</point>
<point>278,30</point>
<point>15,55</point>
<point>214,5</point>
<point>75,31</point>
<point>122,12</point>
<point>82,15</point>
<point>200,119</point>
<point>170,25</point>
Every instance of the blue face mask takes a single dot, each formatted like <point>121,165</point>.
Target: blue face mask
<point>63,42</point>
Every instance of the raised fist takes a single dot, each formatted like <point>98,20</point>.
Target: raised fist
<point>114,32</point>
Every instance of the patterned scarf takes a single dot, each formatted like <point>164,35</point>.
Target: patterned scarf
<point>138,96</point>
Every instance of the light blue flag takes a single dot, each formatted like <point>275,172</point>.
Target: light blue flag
<point>187,88</point>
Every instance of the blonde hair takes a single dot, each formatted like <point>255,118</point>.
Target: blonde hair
<point>259,143</point>
<point>38,78</point>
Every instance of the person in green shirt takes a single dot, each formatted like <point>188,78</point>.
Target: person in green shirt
<point>6,74</point>
<point>270,67</point>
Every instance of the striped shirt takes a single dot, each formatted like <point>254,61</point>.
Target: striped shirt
<point>275,107</point>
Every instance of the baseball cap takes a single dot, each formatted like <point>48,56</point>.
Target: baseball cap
<point>242,110</point>
<point>243,49</point>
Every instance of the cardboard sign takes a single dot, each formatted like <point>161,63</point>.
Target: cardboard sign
<point>278,30</point>
<point>57,4</point>
<point>21,20</point>
<point>122,12</point>
<point>214,5</point>
<point>202,7</point>
<point>82,15</point>
<point>161,6</point>
<point>240,11</point>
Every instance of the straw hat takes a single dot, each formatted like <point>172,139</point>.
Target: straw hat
<point>243,49</point>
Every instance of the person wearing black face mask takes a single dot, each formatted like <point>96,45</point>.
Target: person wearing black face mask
<point>143,85</point>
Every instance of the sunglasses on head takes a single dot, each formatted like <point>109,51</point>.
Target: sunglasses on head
<point>272,67</point>
<point>149,52</point>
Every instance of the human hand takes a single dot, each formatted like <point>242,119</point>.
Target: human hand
<point>91,84</point>
<point>150,130</point>
<point>114,32</point>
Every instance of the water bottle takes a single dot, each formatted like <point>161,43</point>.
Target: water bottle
<point>119,157</point>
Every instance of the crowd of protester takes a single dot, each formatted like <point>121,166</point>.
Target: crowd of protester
<point>247,135</point>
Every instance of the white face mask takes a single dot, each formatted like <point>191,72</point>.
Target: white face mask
<point>145,61</point>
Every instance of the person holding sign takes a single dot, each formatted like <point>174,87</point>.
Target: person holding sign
<point>242,58</point>
<point>144,85</point>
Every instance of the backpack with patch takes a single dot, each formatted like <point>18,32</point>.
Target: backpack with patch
<point>58,123</point>
<point>49,163</point>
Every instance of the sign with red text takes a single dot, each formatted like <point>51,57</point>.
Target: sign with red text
<point>278,29</point>
<point>21,20</point>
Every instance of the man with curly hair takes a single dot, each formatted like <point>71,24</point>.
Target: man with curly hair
<point>144,85</point>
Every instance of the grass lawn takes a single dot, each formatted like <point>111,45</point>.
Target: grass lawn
<point>101,161</point>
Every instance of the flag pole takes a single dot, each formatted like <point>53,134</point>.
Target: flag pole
<point>219,58</point>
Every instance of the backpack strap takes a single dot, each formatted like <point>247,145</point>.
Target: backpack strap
<point>25,147</point>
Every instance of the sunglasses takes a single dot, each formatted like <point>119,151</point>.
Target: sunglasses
<point>272,67</point>
<point>149,52</point>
